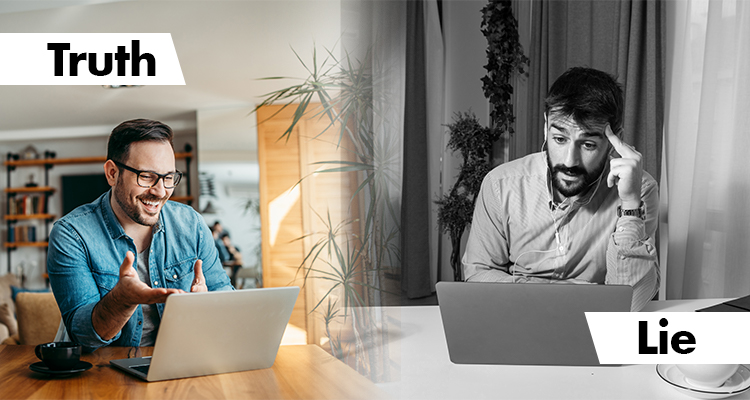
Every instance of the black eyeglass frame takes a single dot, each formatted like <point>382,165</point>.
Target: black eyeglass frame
<point>177,176</point>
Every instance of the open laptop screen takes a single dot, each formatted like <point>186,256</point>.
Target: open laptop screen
<point>217,332</point>
<point>524,323</point>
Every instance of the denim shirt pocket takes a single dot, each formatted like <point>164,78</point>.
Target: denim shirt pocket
<point>105,280</point>
<point>180,274</point>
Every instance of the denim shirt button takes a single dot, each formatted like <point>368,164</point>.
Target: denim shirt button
<point>174,276</point>
<point>140,322</point>
<point>156,283</point>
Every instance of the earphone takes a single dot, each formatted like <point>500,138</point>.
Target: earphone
<point>546,129</point>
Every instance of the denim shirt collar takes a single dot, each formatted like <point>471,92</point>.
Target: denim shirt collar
<point>113,224</point>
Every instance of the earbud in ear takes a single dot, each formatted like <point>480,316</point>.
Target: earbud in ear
<point>544,133</point>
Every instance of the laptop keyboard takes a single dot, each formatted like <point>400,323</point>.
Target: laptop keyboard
<point>141,368</point>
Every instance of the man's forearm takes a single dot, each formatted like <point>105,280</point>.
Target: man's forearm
<point>110,315</point>
<point>645,289</point>
<point>632,260</point>
<point>489,275</point>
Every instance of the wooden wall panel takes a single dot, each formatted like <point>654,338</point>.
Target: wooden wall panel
<point>288,176</point>
<point>280,210</point>
<point>325,195</point>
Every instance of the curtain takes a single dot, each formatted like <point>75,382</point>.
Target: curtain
<point>414,214</point>
<point>624,38</point>
<point>706,147</point>
<point>407,65</point>
<point>372,40</point>
<point>422,147</point>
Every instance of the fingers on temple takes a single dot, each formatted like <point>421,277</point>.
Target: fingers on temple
<point>623,149</point>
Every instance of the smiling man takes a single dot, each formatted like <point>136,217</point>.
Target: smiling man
<point>113,262</point>
<point>574,212</point>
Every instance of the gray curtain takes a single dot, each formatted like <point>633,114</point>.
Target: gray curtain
<point>625,38</point>
<point>415,210</point>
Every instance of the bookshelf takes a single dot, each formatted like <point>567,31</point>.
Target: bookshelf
<point>27,208</point>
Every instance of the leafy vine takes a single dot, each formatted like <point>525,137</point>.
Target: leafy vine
<point>473,141</point>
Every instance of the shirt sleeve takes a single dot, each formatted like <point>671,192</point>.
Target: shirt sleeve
<point>486,256</point>
<point>631,252</point>
<point>74,286</point>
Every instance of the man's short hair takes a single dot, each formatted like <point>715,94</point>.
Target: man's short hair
<point>133,131</point>
<point>588,96</point>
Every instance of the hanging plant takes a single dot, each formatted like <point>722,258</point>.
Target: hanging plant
<point>505,58</point>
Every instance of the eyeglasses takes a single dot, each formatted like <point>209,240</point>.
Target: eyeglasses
<point>148,179</point>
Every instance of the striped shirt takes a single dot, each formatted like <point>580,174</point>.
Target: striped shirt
<point>518,234</point>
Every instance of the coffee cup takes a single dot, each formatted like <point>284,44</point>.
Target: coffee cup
<point>707,375</point>
<point>59,356</point>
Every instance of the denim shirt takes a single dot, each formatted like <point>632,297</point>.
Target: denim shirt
<point>88,245</point>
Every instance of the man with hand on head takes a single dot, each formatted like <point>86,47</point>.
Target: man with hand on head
<point>113,262</point>
<point>574,212</point>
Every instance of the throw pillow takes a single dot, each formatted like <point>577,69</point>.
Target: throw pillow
<point>16,290</point>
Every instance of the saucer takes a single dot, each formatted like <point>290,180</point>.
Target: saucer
<point>43,368</point>
<point>737,383</point>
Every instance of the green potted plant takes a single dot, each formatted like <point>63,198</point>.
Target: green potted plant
<point>353,254</point>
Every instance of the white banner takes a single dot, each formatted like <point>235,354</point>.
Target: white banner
<point>89,59</point>
<point>671,337</point>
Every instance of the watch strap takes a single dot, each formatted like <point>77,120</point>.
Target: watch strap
<point>639,212</point>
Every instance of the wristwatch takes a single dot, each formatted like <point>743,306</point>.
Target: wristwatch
<point>639,212</point>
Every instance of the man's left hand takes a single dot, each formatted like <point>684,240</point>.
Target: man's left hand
<point>625,172</point>
<point>199,282</point>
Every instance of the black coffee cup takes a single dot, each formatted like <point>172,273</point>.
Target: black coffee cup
<point>59,356</point>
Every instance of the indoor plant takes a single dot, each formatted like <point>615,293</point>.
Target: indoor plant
<point>352,254</point>
<point>473,141</point>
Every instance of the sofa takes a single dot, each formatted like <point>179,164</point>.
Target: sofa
<point>33,317</point>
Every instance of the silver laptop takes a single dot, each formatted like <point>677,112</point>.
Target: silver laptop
<point>524,323</point>
<point>216,332</point>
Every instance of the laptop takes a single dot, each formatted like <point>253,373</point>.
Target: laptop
<point>216,332</point>
<point>524,323</point>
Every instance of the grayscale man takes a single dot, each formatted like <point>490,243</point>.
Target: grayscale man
<point>580,211</point>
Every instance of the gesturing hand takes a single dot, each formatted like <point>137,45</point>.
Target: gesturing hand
<point>199,283</point>
<point>625,172</point>
<point>115,308</point>
<point>130,290</point>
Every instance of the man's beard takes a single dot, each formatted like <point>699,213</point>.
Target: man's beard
<point>574,189</point>
<point>131,210</point>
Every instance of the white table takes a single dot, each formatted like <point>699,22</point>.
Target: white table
<point>426,372</point>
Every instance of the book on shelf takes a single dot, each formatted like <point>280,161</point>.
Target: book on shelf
<point>22,234</point>
<point>27,205</point>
